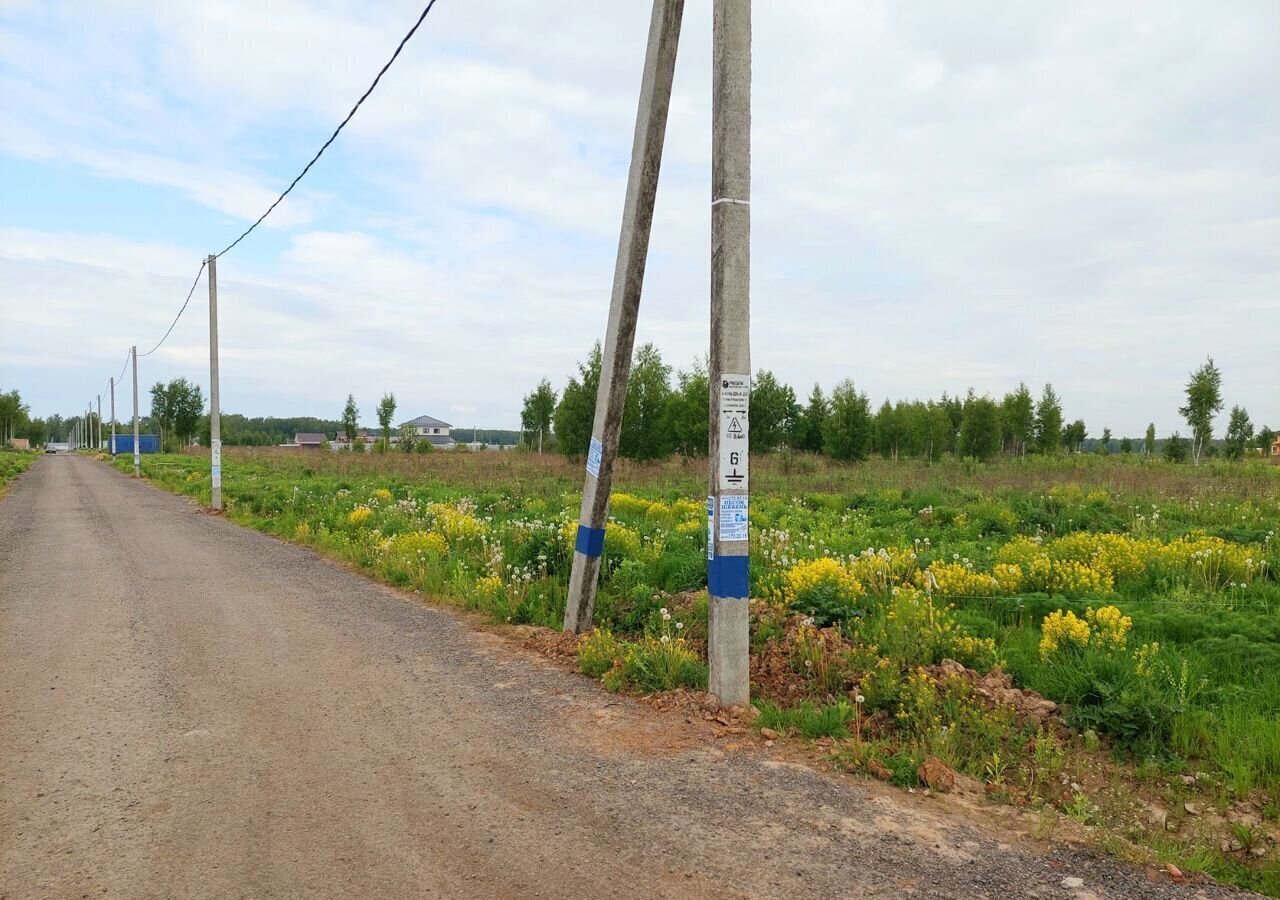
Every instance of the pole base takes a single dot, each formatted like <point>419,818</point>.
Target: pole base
<point>729,643</point>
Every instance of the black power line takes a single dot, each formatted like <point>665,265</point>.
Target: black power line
<point>343,124</point>
<point>305,169</point>
<point>180,312</point>
<point>124,367</point>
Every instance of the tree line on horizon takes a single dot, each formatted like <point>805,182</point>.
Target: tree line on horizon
<point>666,413</point>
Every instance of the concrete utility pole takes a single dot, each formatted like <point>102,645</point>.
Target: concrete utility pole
<point>628,279</point>
<point>97,427</point>
<point>727,567</point>
<point>137,455</point>
<point>113,417</point>
<point>215,416</point>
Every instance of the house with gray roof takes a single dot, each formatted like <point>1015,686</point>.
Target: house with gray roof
<point>432,430</point>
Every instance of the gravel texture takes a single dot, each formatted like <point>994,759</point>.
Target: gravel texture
<point>192,709</point>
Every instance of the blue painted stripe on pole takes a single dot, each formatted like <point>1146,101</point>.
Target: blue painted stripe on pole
<point>590,540</point>
<point>728,576</point>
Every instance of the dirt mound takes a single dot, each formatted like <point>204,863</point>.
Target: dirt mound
<point>997,689</point>
<point>559,645</point>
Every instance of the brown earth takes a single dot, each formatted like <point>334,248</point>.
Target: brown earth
<point>192,709</point>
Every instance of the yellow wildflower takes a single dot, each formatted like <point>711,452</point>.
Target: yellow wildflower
<point>1144,657</point>
<point>456,522</point>
<point>1008,577</point>
<point>413,543</point>
<point>1062,630</point>
<point>810,575</point>
<point>1110,627</point>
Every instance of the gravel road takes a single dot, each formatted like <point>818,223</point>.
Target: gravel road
<point>192,709</point>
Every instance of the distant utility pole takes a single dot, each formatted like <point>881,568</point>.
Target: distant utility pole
<point>730,375</point>
<point>113,417</point>
<point>97,427</point>
<point>215,417</point>
<point>137,454</point>
<point>624,305</point>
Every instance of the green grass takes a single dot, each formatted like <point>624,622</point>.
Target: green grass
<point>1217,705</point>
<point>493,532</point>
<point>13,463</point>
<point>807,719</point>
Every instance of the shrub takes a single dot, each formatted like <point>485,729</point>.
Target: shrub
<point>1062,630</point>
<point>657,664</point>
<point>1110,627</point>
<point>912,629</point>
<point>823,589</point>
<point>417,544</point>
<point>597,652</point>
<point>457,522</point>
<point>621,542</point>
<point>956,579</point>
<point>1106,629</point>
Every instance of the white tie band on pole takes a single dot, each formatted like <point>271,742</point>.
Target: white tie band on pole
<point>728,570</point>
<point>624,306</point>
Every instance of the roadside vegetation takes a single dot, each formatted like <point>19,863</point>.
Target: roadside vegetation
<point>1096,636</point>
<point>13,463</point>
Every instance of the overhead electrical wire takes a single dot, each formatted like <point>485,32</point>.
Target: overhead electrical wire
<point>341,125</point>
<point>180,312</point>
<point>127,356</point>
<point>305,169</point>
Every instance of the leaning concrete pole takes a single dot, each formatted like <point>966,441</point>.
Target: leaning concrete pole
<point>628,279</point>
<point>137,454</point>
<point>215,415</point>
<point>113,417</point>
<point>730,376</point>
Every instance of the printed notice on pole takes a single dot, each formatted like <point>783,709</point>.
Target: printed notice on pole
<point>711,527</point>
<point>735,398</point>
<point>215,462</point>
<point>733,518</point>
<point>594,454</point>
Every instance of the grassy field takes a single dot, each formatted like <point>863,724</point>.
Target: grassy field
<point>13,463</point>
<point>1141,597</point>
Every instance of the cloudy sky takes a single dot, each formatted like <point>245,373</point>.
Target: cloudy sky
<point>945,195</point>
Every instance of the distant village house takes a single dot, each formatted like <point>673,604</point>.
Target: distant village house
<point>425,428</point>
<point>430,429</point>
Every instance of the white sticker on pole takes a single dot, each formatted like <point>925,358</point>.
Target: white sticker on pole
<point>215,454</point>
<point>735,399</point>
<point>733,518</point>
<point>594,454</point>
<point>711,528</point>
